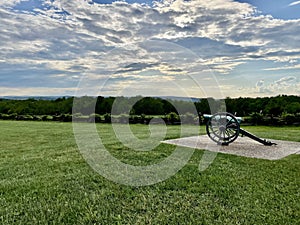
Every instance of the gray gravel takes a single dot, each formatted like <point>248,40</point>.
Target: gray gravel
<point>242,146</point>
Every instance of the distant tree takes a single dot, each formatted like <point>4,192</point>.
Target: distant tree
<point>256,118</point>
<point>274,108</point>
<point>293,107</point>
<point>104,105</point>
<point>167,106</point>
<point>172,118</point>
<point>149,106</point>
<point>202,106</point>
<point>84,105</point>
<point>121,105</point>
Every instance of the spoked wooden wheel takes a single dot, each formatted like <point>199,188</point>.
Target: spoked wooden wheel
<point>223,128</point>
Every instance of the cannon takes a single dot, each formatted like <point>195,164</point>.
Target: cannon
<point>224,128</point>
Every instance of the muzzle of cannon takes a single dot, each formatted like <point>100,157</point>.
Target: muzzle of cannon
<point>224,128</point>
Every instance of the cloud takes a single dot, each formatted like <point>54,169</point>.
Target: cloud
<point>70,38</point>
<point>36,91</point>
<point>284,85</point>
<point>292,67</point>
<point>9,3</point>
<point>286,80</point>
<point>260,86</point>
<point>260,83</point>
<point>294,3</point>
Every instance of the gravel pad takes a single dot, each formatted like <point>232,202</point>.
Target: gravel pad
<point>242,146</point>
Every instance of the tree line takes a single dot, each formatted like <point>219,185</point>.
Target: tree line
<point>255,110</point>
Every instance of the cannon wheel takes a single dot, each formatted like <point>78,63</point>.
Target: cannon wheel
<point>223,128</point>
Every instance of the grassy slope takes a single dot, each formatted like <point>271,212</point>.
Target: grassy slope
<point>44,180</point>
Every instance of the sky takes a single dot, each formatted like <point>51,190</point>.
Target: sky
<point>194,48</point>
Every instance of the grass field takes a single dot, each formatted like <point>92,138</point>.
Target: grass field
<point>45,180</point>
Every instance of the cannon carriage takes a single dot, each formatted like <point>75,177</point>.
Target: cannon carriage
<point>224,128</point>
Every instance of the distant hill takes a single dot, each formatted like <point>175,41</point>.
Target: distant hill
<point>177,98</point>
<point>32,97</point>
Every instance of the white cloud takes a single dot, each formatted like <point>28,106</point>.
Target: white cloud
<point>260,86</point>
<point>294,3</point>
<point>36,91</point>
<point>260,83</point>
<point>10,3</point>
<point>288,85</point>
<point>286,80</point>
<point>284,85</point>
<point>76,37</point>
<point>297,66</point>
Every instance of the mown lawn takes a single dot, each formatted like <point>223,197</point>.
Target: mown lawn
<point>45,180</point>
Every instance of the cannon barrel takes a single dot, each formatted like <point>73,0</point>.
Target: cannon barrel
<point>208,116</point>
<point>254,137</point>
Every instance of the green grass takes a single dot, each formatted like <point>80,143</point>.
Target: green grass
<point>45,180</point>
<point>288,133</point>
